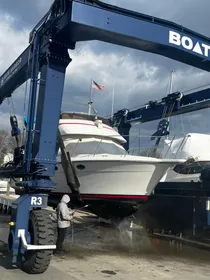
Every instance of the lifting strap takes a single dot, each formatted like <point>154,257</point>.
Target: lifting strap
<point>69,170</point>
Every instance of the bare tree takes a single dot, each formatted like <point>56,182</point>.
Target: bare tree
<point>7,144</point>
<point>11,144</point>
<point>3,144</point>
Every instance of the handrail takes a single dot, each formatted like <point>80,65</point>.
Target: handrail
<point>142,147</point>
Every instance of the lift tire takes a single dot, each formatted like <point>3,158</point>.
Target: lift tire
<point>41,231</point>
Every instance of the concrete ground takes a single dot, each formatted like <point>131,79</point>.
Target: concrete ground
<point>100,252</point>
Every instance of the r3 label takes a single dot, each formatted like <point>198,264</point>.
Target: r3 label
<point>36,200</point>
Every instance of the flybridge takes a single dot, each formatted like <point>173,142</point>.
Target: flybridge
<point>187,43</point>
<point>66,23</point>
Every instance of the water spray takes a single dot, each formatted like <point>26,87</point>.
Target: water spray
<point>72,224</point>
<point>81,208</point>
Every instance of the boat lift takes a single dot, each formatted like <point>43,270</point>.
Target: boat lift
<point>172,105</point>
<point>193,196</point>
<point>66,23</point>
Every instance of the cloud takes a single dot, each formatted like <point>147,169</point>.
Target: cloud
<point>127,74</point>
<point>136,80</point>
<point>12,42</point>
<point>191,14</point>
<point>138,76</point>
<point>27,13</point>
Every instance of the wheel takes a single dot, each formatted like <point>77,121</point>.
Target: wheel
<point>41,233</point>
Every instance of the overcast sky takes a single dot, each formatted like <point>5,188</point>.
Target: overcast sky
<point>138,76</point>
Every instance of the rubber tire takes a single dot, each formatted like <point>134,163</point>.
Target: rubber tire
<point>41,230</point>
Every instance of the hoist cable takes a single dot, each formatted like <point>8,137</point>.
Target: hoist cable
<point>10,111</point>
<point>11,105</point>
<point>188,118</point>
<point>25,98</point>
<point>182,123</point>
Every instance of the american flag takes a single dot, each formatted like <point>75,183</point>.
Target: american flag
<point>97,86</point>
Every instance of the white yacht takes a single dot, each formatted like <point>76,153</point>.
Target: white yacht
<point>192,145</point>
<point>112,182</point>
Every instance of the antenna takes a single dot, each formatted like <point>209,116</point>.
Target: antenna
<point>170,91</point>
<point>90,98</point>
<point>171,82</point>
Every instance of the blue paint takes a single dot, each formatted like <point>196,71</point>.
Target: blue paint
<point>20,215</point>
<point>195,101</point>
<point>26,120</point>
<point>32,102</point>
<point>135,30</point>
<point>48,55</point>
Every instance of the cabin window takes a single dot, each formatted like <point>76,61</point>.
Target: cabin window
<point>94,147</point>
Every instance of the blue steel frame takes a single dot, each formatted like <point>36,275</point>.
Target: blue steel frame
<point>19,218</point>
<point>123,119</point>
<point>69,22</point>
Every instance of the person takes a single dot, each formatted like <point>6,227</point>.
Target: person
<point>64,218</point>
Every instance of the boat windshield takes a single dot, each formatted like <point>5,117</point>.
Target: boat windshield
<point>191,169</point>
<point>94,147</point>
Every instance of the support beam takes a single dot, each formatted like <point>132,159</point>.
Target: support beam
<point>48,110</point>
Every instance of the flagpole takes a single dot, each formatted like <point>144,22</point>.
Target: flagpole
<point>90,98</point>
<point>112,112</point>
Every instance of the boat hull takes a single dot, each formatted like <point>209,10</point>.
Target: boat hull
<point>113,188</point>
<point>172,176</point>
<point>107,208</point>
<point>113,177</point>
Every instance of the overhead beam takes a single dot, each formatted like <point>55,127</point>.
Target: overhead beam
<point>130,29</point>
